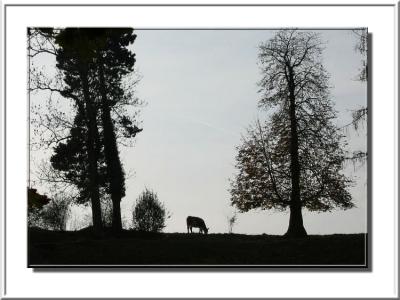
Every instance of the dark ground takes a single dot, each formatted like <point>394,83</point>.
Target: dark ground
<point>135,248</point>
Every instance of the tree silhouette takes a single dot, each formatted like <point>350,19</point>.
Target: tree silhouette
<point>75,59</point>
<point>360,115</point>
<point>149,213</point>
<point>362,48</point>
<point>94,63</point>
<point>47,213</point>
<point>36,200</point>
<point>232,221</point>
<point>55,214</point>
<point>113,62</point>
<point>71,159</point>
<point>295,159</point>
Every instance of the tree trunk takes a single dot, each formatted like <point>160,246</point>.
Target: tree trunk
<point>114,168</point>
<point>92,153</point>
<point>296,228</point>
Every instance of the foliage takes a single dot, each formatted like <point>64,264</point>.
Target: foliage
<point>360,115</point>
<point>295,158</point>
<point>113,61</point>
<point>52,215</point>
<point>55,214</point>
<point>362,47</point>
<point>149,213</point>
<point>74,59</point>
<point>36,200</point>
<point>70,159</point>
<point>34,218</point>
<point>107,61</point>
<point>264,180</point>
<point>107,211</point>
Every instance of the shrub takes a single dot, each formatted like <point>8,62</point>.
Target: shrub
<point>55,214</point>
<point>149,213</point>
<point>231,222</point>
<point>48,213</point>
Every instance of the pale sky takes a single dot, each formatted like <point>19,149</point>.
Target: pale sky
<point>200,87</point>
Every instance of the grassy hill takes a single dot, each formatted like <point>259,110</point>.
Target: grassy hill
<point>135,248</point>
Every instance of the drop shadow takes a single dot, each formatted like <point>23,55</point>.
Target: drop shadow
<point>198,269</point>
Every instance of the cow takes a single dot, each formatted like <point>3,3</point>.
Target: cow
<point>196,222</point>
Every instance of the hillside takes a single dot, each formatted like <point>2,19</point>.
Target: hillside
<point>134,248</point>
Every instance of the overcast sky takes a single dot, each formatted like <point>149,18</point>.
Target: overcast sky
<point>201,91</point>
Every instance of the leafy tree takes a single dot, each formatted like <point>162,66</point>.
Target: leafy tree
<point>295,159</point>
<point>71,159</point>
<point>149,213</point>
<point>108,63</point>
<point>96,73</point>
<point>75,59</point>
<point>113,62</point>
<point>36,202</point>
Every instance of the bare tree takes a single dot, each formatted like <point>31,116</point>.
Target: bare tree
<point>362,48</point>
<point>359,115</point>
<point>232,222</point>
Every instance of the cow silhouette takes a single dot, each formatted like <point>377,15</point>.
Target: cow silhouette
<point>196,222</point>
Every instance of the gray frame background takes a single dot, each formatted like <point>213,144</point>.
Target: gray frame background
<point>3,282</point>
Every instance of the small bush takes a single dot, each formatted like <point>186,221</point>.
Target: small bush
<point>55,214</point>
<point>231,222</point>
<point>149,213</point>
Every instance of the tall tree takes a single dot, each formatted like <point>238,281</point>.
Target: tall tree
<point>95,60</point>
<point>108,63</point>
<point>113,62</point>
<point>295,159</point>
<point>75,59</point>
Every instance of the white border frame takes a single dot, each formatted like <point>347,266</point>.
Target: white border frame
<point>381,282</point>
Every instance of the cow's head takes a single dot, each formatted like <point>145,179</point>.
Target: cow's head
<point>206,230</point>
